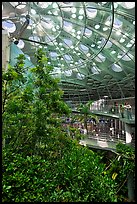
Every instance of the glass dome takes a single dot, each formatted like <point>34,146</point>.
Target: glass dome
<point>91,45</point>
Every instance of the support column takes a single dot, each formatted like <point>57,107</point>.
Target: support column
<point>5,50</point>
<point>115,127</point>
<point>120,128</point>
<point>128,133</point>
<point>5,57</point>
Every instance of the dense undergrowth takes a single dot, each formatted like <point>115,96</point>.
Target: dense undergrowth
<point>40,162</point>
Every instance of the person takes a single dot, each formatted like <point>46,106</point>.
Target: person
<point>128,110</point>
<point>116,107</point>
<point>122,110</point>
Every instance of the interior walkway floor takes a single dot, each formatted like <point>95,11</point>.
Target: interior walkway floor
<point>100,144</point>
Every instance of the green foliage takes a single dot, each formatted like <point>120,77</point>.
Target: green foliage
<point>86,113</point>
<point>31,101</point>
<point>68,173</point>
<point>40,162</point>
<point>119,166</point>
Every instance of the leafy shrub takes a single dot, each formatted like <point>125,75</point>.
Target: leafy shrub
<point>75,174</point>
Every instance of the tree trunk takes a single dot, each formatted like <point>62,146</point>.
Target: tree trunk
<point>85,123</point>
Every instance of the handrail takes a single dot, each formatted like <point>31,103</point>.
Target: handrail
<point>111,109</point>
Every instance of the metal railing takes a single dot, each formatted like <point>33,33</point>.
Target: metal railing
<point>110,109</point>
<point>116,137</point>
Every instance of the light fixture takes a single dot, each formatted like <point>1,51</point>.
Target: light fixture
<point>105,28</point>
<point>81,11</point>
<point>74,15</point>
<point>97,26</point>
<point>118,32</point>
<point>113,52</point>
<point>122,40</point>
<point>33,11</point>
<point>80,17</point>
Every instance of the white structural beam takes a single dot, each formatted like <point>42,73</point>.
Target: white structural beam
<point>5,50</point>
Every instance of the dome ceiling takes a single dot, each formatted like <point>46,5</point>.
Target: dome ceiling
<point>91,45</point>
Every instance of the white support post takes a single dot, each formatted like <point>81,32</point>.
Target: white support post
<point>5,50</point>
<point>128,133</point>
<point>5,57</point>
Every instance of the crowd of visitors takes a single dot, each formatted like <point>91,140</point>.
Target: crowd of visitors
<point>123,109</point>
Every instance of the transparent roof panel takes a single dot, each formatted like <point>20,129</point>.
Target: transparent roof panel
<point>84,42</point>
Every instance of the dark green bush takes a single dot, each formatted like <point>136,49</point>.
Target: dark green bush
<point>75,174</point>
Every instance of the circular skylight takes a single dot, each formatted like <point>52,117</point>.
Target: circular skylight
<point>100,58</point>
<point>47,23</point>
<point>67,26</point>
<point>115,5</point>
<point>129,45</point>
<point>91,13</point>
<point>108,45</point>
<point>68,57</point>
<point>14,3</point>
<point>53,55</point>
<point>127,57</point>
<point>84,48</point>
<point>117,23</point>
<point>95,70</point>
<point>21,6</point>
<point>18,5</point>
<point>88,32</point>
<point>54,5</point>
<point>34,38</point>
<point>44,4</point>
<point>116,68</point>
<point>67,42</point>
<point>33,11</point>
<point>80,76</point>
<point>128,5</point>
<point>9,26</point>
<point>68,72</point>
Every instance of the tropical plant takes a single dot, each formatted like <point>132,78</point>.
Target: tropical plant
<point>32,105</point>
<point>85,113</point>
<point>68,173</point>
<point>40,162</point>
<point>121,168</point>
